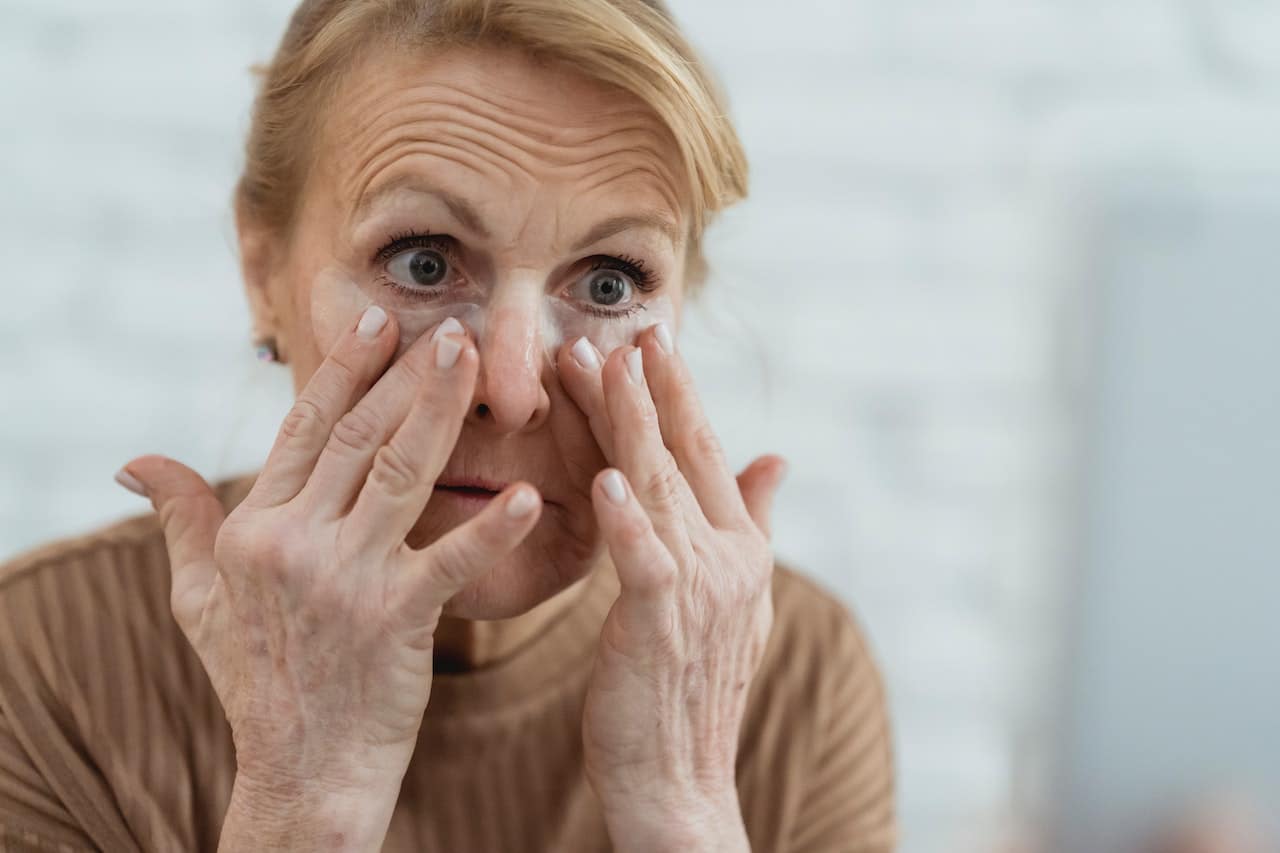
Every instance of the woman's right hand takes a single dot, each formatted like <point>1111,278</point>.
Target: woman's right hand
<point>311,615</point>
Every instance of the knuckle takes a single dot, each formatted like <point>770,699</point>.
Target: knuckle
<point>647,415</point>
<point>705,442</point>
<point>341,372</point>
<point>303,421</point>
<point>633,531</point>
<point>663,485</point>
<point>357,430</point>
<point>276,553</point>
<point>450,566</point>
<point>393,471</point>
<point>663,575</point>
<point>453,559</point>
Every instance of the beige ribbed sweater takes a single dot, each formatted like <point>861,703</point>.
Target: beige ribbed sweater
<point>111,737</point>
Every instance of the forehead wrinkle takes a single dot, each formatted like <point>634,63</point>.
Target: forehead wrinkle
<point>509,144</point>
<point>663,186</point>
<point>466,107</point>
<point>475,158</point>
<point>488,130</point>
<point>509,110</point>
<point>476,155</point>
<point>541,130</point>
<point>544,137</point>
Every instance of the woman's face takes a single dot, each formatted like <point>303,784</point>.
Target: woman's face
<point>533,204</point>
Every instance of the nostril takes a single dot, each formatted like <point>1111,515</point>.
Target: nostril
<point>481,410</point>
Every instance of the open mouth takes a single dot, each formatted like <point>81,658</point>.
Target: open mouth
<point>469,488</point>
<point>468,491</point>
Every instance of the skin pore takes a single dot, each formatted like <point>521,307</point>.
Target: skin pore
<point>515,164</point>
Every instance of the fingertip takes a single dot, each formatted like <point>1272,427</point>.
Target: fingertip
<point>522,502</point>
<point>130,482</point>
<point>372,321</point>
<point>612,485</point>
<point>778,468</point>
<point>448,326</point>
<point>585,355</point>
<point>657,341</point>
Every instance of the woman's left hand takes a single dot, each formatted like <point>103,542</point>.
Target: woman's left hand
<point>683,641</point>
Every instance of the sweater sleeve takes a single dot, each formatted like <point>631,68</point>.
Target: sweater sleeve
<point>32,819</point>
<point>848,804</point>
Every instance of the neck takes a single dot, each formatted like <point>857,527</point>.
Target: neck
<point>466,644</point>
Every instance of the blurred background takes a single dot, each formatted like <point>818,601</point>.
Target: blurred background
<point>1006,294</point>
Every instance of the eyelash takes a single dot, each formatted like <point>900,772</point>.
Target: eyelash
<point>634,268</point>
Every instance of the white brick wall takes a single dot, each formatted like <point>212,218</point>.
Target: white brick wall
<point>886,310</point>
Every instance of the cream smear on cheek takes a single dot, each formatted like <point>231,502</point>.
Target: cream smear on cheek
<point>338,300</point>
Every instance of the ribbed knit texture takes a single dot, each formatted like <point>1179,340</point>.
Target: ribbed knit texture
<point>111,737</point>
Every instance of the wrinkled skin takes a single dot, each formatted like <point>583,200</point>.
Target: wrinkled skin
<point>344,549</point>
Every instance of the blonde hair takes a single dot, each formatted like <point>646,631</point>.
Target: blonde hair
<point>633,44</point>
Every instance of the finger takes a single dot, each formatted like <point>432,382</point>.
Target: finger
<point>686,431</point>
<point>647,571</point>
<point>579,364</point>
<point>758,484</point>
<point>638,448</point>
<point>575,445</point>
<point>356,438</point>
<point>436,573</point>
<point>343,377</point>
<point>404,470</point>
<point>190,515</point>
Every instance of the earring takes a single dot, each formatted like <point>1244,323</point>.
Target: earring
<point>266,349</point>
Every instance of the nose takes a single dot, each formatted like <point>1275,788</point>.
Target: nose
<point>510,396</point>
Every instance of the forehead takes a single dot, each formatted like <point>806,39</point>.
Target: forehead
<point>500,130</point>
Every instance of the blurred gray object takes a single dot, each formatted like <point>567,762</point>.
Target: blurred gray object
<point>1173,685</point>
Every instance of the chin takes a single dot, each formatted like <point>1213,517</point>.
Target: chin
<point>551,558</point>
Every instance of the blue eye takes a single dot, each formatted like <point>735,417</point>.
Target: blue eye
<point>607,287</point>
<point>420,267</point>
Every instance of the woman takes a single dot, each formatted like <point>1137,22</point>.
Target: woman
<point>494,587</point>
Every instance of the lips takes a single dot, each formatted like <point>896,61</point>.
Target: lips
<point>475,484</point>
<point>472,487</point>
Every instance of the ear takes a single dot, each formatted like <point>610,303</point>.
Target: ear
<point>259,262</point>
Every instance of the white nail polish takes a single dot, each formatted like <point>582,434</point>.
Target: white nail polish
<point>521,504</point>
<point>450,326</point>
<point>447,352</point>
<point>663,334</point>
<point>635,366</point>
<point>130,482</point>
<point>614,488</point>
<point>371,322</point>
<point>584,354</point>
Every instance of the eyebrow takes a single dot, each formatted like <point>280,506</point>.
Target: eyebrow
<point>459,207</point>
<point>651,220</point>
<point>466,214</point>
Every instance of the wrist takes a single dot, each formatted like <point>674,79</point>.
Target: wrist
<point>700,823</point>
<point>276,816</point>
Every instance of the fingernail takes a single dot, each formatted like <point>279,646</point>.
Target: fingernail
<point>614,489</point>
<point>663,334</point>
<point>447,353</point>
<point>635,366</point>
<point>130,482</point>
<point>450,326</point>
<point>585,354</point>
<point>522,503</point>
<point>371,322</point>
